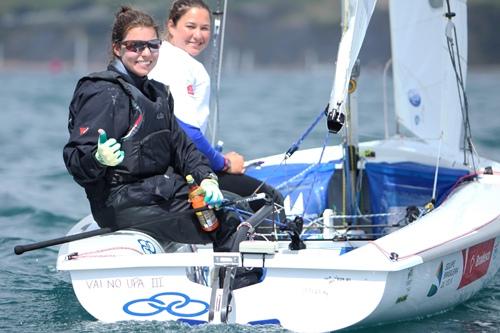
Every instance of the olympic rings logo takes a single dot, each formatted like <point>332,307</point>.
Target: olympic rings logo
<point>175,303</point>
<point>147,246</point>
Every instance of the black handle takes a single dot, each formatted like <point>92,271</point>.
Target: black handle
<point>20,249</point>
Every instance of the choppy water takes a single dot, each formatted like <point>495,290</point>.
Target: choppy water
<point>262,113</point>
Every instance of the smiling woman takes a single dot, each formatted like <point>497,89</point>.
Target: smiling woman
<point>140,52</point>
<point>188,30</point>
<point>136,174</point>
<point>131,36</point>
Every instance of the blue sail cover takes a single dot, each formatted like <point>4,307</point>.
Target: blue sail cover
<point>395,186</point>
<point>392,186</point>
<point>303,185</point>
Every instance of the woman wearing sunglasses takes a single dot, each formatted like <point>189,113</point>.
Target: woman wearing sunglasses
<point>126,148</point>
<point>187,35</point>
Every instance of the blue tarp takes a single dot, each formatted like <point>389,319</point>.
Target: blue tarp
<point>399,185</point>
<point>311,182</point>
<point>392,186</point>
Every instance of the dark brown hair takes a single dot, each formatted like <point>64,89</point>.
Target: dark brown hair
<point>127,18</point>
<point>180,7</point>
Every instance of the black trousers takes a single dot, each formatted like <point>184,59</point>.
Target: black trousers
<point>159,206</point>
<point>244,186</point>
<point>174,221</point>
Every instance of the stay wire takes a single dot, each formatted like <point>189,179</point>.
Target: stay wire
<point>452,40</point>
<point>293,148</point>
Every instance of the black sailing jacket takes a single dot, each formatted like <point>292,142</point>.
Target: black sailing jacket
<point>139,114</point>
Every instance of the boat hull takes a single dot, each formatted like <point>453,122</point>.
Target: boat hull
<point>305,297</point>
<point>432,264</point>
<point>314,290</point>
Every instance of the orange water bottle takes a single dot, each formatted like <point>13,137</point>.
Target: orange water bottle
<point>207,218</point>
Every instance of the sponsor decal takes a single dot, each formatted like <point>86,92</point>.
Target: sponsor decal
<point>476,262</point>
<point>146,246</point>
<point>414,98</point>
<point>190,90</point>
<point>435,286</point>
<point>445,275</point>
<point>450,270</point>
<point>83,130</point>
<point>175,303</point>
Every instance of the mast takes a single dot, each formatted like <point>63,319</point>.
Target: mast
<point>350,142</point>
<point>351,136</point>
<point>356,15</point>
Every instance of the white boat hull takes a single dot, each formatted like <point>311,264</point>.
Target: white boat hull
<point>303,299</point>
<point>435,263</point>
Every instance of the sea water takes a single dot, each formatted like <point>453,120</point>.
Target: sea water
<point>262,113</point>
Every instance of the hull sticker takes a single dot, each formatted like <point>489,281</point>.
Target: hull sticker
<point>175,303</point>
<point>476,262</point>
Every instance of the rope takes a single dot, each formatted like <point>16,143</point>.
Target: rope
<point>292,150</point>
<point>362,215</point>
<point>300,174</point>
<point>92,254</point>
<point>297,144</point>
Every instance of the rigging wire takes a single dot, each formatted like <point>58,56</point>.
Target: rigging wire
<point>304,173</point>
<point>454,52</point>
<point>294,147</point>
<point>434,187</point>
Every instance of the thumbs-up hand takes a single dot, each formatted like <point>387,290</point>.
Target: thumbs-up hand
<point>108,150</point>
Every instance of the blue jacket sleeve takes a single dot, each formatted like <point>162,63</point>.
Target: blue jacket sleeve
<point>216,159</point>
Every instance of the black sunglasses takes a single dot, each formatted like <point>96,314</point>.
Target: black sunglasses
<point>138,46</point>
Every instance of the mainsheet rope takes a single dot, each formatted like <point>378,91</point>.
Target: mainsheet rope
<point>293,148</point>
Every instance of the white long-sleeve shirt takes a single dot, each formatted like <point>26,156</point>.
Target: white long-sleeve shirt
<point>189,83</point>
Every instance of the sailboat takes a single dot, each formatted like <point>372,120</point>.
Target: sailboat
<point>383,231</point>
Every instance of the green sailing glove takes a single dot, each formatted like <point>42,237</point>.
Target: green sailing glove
<point>108,150</point>
<point>213,195</point>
